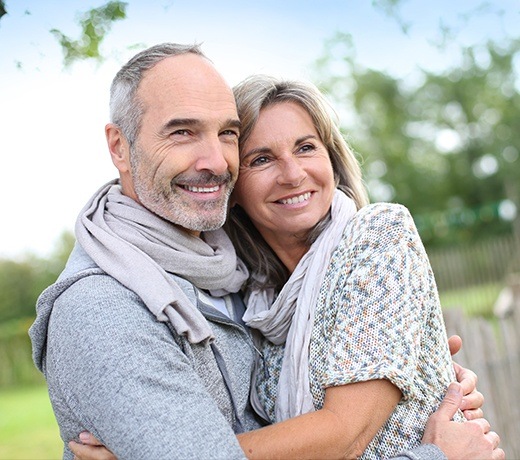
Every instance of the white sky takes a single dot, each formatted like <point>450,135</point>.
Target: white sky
<point>52,146</point>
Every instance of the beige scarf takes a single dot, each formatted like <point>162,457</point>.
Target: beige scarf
<point>290,317</point>
<point>139,249</point>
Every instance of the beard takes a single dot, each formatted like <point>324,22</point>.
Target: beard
<point>171,200</point>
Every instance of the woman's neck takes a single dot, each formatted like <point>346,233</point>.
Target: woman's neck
<point>290,251</point>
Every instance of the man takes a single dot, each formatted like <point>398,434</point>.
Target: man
<point>140,339</point>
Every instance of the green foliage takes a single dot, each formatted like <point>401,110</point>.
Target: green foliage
<point>3,11</point>
<point>95,24</point>
<point>446,146</point>
<point>15,354</point>
<point>22,281</point>
<point>391,9</point>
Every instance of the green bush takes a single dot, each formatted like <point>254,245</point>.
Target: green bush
<point>15,354</point>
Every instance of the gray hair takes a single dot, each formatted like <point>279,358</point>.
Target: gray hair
<point>252,95</point>
<point>125,108</point>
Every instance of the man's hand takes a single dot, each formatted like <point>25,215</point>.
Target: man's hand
<point>90,449</point>
<point>461,441</point>
<point>473,399</point>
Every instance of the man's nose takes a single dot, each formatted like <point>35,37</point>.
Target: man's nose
<point>212,157</point>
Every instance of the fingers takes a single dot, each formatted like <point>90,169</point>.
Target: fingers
<point>451,402</point>
<point>483,424</point>
<point>467,378</point>
<point>455,344</point>
<point>473,414</point>
<point>498,453</point>
<point>472,401</point>
<point>88,438</point>
<point>90,452</point>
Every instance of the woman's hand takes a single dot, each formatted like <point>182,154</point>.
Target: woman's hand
<point>473,399</point>
<point>90,449</point>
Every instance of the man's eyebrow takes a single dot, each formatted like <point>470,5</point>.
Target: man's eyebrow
<point>180,122</point>
<point>177,122</point>
<point>233,123</point>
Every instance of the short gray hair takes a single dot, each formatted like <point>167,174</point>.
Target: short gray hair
<point>125,108</point>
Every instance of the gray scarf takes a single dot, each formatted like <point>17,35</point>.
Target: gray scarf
<point>139,249</point>
<point>289,318</point>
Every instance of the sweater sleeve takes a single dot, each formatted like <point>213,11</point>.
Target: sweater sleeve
<point>115,371</point>
<point>378,279</point>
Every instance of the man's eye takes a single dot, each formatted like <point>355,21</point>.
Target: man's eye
<point>181,132</point>
<point>230,132</point>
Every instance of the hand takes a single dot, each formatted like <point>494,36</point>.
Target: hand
<point>473,399</point>
<point>461,441</point>
<point>90,449</point>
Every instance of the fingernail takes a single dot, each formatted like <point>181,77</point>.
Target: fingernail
<point>84,436</point>
<point>454,388</point>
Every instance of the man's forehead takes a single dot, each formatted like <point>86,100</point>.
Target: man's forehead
<point>187,86</point>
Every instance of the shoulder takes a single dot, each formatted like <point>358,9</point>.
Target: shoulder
<point>387,214</point>
<point>381,222</point>
<point>97,305</point>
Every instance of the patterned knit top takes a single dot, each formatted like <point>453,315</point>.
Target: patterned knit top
<point>378,317</point>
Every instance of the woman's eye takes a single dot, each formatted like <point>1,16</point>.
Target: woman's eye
<point>307,148</point>
<point>259,161</point>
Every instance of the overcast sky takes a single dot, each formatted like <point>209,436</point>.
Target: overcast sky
<point>52,119</point>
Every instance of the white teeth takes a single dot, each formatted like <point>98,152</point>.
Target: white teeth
<point>297,199</point>
<point>202,189</point>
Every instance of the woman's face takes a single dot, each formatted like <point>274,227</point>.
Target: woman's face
<point>286,182</point>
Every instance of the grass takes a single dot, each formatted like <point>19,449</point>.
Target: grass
<point>474,300</point>
<point>28,429</point>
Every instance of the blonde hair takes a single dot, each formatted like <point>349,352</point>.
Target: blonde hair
<point>252,95</point>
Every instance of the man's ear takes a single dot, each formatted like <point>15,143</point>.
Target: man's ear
<point>118,147</point>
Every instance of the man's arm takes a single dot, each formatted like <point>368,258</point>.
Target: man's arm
<point>115,371</point>
<point>442,438</point>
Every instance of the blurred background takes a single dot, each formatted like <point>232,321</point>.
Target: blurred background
<point>428,96</point>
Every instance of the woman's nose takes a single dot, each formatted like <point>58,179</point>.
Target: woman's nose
<point>291,172</point>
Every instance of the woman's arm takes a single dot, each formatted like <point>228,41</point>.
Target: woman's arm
<point>450,437</point>
<point>351,416</point>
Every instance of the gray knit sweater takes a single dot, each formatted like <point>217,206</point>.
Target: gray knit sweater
<point>145,392</point>
<point>142,390</point>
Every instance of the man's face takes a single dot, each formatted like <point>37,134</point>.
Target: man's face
<point>185,160</point>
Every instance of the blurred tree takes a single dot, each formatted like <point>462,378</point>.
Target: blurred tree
<point>447,146</point>
<point>95,24</point>
<point>21,282</point>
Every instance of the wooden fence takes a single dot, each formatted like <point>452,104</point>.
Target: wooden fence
<point>492,350</point>
<point>471,280</point>
<point>478,272</point>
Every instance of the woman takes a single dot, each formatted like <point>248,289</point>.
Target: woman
<point>342,268</point>
<point>356,302</point>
